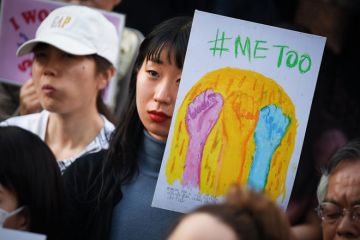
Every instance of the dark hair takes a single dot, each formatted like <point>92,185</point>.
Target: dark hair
<point>251,215</point>
<point>28,168</point>
<point>240,221</point>
<point>102,65</point>
<point>120,164</point>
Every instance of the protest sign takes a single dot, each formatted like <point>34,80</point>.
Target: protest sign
<point>241,112</point>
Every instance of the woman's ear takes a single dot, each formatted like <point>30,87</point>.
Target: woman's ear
<point>105,77</point>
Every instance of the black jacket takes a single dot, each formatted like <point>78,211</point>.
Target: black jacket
<point>85,218</point>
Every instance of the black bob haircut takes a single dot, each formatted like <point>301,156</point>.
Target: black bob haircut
<point>29,169</point>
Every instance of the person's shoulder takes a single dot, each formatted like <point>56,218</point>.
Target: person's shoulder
<point>25,121</point>
<point>83,175</point>
<point>87,164</point>
<point>82,179</point>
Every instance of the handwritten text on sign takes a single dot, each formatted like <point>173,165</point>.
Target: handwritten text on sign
<point>28,17</point>
<point>257,49</point>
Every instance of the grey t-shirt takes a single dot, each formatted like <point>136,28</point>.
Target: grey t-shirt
<point>133,216</point>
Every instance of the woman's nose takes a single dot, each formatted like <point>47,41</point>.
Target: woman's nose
<point>49,70</point>
<point>163,92</point>
<point>51,65</point>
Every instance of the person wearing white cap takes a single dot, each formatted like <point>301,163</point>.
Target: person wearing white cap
<point>28,101</point>
<point>75,54</point>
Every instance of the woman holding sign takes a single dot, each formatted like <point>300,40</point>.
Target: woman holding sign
<point>109,194</point>
<point>75,51</point>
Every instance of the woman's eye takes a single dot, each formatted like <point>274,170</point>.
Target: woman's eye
<point>178,82</point>
<point>152,73</point>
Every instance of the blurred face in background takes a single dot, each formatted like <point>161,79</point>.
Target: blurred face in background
<point>202,226</point>
<point>343,193</point>
<point>10,216</point>
<point>101,4</point>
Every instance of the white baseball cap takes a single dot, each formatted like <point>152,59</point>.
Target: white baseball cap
<point>77,30</point>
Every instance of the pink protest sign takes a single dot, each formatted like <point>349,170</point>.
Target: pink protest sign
<point>18,23</point>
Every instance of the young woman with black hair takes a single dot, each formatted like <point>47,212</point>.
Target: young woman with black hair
<point>109,193</point>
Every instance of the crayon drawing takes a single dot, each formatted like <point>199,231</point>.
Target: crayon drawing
<point>233,126</point>
<point>241,112</point>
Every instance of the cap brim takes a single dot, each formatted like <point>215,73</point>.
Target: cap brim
<point>66,44</point>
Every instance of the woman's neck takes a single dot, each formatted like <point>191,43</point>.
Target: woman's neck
<point>68,134</point>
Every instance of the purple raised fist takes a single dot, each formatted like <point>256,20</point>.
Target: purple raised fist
<point>201,116</point>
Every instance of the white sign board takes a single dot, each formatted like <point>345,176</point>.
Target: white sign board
<point>241,112</point>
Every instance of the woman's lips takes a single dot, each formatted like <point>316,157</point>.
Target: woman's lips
<point>158,117</point>
<point>48,89</point>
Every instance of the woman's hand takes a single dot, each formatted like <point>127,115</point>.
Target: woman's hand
<point>29,100</point>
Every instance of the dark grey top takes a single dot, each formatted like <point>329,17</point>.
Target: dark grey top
<point>133,216</point>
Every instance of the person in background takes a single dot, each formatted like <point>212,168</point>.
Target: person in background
<point>305,223</point>
<point>31,186</point>
<point>129,45</point>
<point>109,193</point>
<point>339,194</point>
<point>9,99</point>
<point>245,214</point>
<point>75,52</point>
<point>334,114</point>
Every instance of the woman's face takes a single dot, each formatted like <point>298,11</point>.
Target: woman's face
<point>8,202</point>
<point>66,83</point>
<point>156,90</point>
<point>101,4</point>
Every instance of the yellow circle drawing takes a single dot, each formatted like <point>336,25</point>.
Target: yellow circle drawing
<point>243,132</point>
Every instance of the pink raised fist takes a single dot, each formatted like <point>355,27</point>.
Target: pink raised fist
<point>201,116</point>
